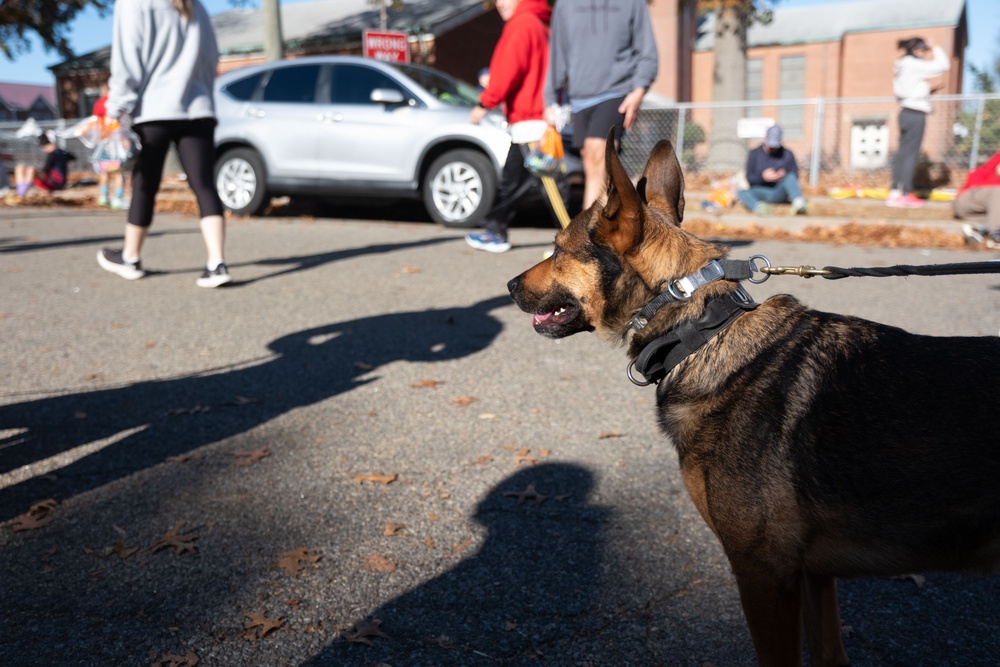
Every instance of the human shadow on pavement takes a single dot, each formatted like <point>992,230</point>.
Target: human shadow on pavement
<point>294,264</point>
<point>24,244</point>
<point>128,428</point>
<point>533,582</point>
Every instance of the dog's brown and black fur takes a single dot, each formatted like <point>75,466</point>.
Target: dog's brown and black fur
<point>814,445</point>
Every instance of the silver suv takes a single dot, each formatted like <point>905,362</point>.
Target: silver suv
<point>350,126</point>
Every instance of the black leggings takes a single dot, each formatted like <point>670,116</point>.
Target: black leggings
<point>195,140</point>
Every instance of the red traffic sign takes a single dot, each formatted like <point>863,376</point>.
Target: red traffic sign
<point>393,47</point>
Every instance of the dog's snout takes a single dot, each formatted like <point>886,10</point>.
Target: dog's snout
<point>512,285</point>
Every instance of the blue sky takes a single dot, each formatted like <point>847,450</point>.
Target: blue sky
<point>90,32</point>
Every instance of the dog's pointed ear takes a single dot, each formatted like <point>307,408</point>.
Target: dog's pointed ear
<point>662,182</point>
<point>620,223</point>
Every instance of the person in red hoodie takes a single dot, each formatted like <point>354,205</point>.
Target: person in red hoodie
<point>979,200</point>
<point>517,79</point>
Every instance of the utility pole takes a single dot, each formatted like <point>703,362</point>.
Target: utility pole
<point>273,43</point>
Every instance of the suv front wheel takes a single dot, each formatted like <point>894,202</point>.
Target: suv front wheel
<point>460,187</point>
<point>239,179</point>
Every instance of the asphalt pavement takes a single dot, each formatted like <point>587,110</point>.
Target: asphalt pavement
<point>360,454</point>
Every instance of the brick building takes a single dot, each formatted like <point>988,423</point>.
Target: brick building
<point>841,51</point>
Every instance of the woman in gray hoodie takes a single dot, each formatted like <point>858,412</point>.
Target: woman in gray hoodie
<point>910,86</point>
<point>163,64</point>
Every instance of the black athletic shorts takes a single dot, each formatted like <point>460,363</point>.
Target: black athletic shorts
<point>595,121</point>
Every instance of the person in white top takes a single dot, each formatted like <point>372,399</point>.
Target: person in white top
<point>920,62</point>
<point>163,61</point>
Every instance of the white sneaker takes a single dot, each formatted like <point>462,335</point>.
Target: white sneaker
<point>798,206</point>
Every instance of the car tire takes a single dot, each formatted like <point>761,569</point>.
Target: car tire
<point>460,188</point>
<point>241,182</point>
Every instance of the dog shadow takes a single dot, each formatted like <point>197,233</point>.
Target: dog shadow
<point>79,441</point>
<point>533,582</point>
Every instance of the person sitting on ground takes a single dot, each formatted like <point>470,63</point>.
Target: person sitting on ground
<point>773,176</point>
<point>979,200</point>
<point>51,177</point>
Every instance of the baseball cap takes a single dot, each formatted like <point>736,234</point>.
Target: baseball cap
<point>773,136</point>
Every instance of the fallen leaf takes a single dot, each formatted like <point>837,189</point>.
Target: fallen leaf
<point>184,458</point>
<point>377,563</point>
<point>293,562</point>
<point>181,544</point>
<point>362,366</point>
<point>482,460</point>
<point>378,478</point>
<point>260,626</point>
<point>245,458</point>
<point>392,528</point>
<point>124,551</point>
<point>528,494</point>
<point>463,401</point>
<point>462,546</point>
<point>38,516</point>
<point>427,384</point>
<point>487,416</point>
<point>410,269</point>
<point>189,659</point>
<point>149,344</point>
<point>610,434</point>
<point>364,631</point>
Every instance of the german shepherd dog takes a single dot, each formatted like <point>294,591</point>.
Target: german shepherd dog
<point>814,445</point>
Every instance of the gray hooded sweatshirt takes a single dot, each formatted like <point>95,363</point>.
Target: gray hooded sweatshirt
<point>162,65</point>
<point>599,50</point>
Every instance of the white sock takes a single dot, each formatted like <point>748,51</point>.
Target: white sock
<point>212,266</point>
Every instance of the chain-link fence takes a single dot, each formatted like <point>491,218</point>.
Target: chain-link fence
<point>846,142</point>
<point>19,145</point>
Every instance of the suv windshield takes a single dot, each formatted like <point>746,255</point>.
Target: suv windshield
<point>448,90</point>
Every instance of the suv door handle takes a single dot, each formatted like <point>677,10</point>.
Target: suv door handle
<point>253,112</point>
<point>331,117</point>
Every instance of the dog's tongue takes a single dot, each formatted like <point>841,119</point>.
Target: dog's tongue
<point>539,318</point>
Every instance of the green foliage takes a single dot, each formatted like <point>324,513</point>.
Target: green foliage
<point>48,19</point>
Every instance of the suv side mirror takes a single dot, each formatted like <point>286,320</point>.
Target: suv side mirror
<point>387,96</point>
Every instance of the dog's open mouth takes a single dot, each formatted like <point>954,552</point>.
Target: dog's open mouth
<point>547,322</point>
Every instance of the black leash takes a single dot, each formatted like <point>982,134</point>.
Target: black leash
<point>836,272</point>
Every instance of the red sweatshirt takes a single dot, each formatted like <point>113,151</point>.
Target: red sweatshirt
<point>520,62</point>
<point>985,176</point>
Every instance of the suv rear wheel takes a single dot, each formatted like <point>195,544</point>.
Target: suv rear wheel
<point>460,187</point>
<point>239,179</point>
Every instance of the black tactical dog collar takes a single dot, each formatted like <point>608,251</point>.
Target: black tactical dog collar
<point>664,353</point>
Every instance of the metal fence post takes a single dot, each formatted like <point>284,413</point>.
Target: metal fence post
<point>974,153</point>
<point>680,133</point>
<point>817,142</point>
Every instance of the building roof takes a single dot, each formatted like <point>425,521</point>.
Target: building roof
<point>830,22</point>
<point>25,95</point>
<point>242,30</point>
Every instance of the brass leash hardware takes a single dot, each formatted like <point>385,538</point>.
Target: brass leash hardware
<point>801,271</point>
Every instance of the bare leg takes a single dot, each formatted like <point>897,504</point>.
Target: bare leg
<point>134,238</point>
<point>213,230</point>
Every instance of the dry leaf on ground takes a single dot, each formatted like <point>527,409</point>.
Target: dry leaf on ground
<point>377,563</point>
<point>376,478</point>
<point>189,659</point>
<point>181,544</point>
<point>245,458</point>
<point>426,384</point>
<point>463,401</point>
<point>260,626</point>
<point>392,528</point>
<point>293,562</point>
<point>38,516</point>
<point>529,494</point>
